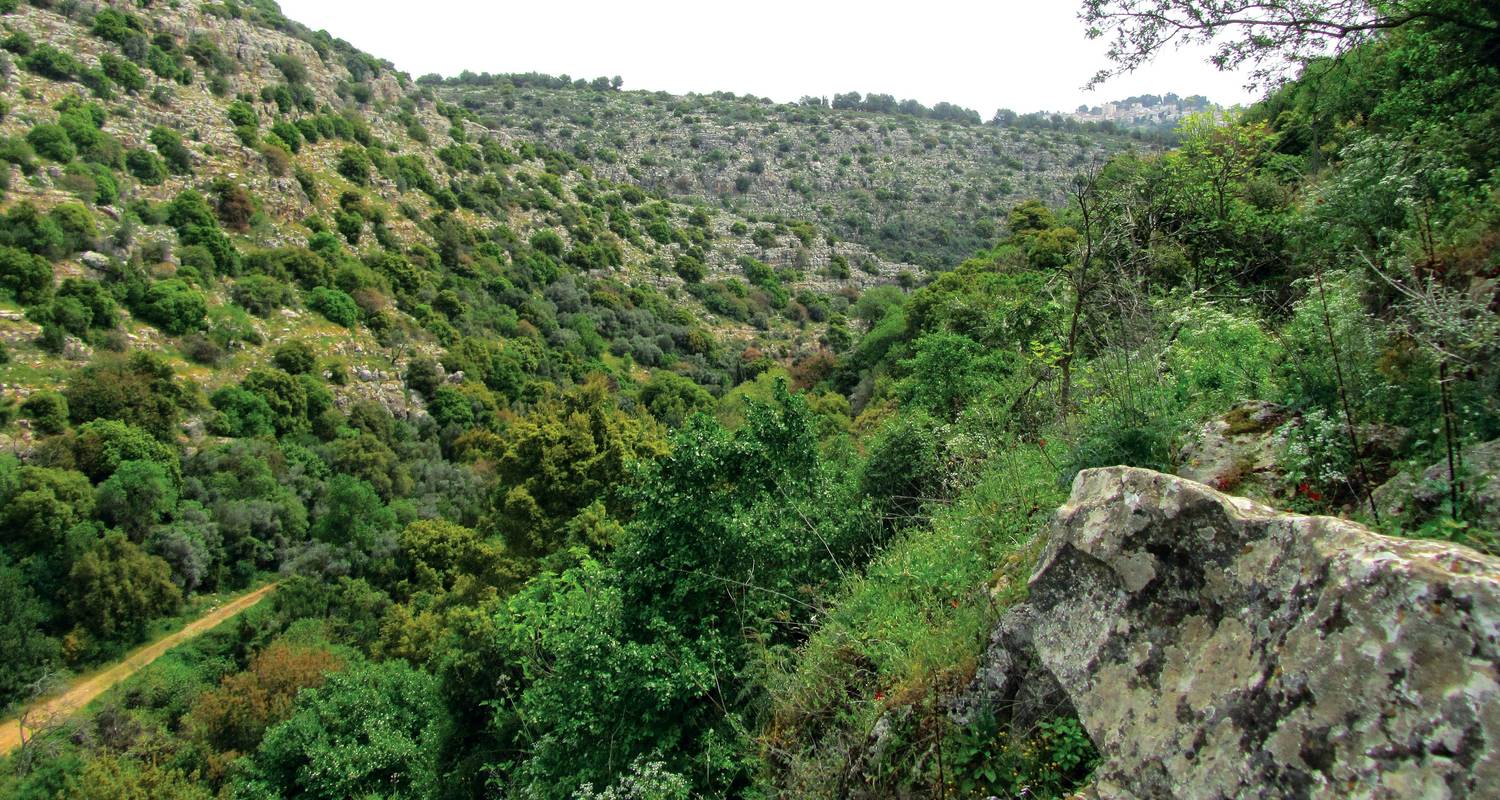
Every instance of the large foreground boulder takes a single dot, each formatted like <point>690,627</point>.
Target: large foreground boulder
<point>1213,647</point>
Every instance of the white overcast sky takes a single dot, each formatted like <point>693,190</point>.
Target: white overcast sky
<point>1027,55</point>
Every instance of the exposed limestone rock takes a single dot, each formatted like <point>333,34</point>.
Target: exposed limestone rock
<point>1417,498</point>
<point>1214,647</point>
<point>1238,450</point>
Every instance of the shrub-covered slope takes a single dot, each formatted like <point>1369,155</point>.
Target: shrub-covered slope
<point>573,491</point>
<point>910,187</point>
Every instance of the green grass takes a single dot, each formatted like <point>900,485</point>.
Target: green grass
<point>914,625</point>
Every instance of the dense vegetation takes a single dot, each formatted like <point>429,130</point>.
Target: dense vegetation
<point>918,185</point>
<point>558,512</point>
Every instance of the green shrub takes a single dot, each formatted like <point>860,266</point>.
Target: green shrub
<point>241,413</point>
<point>16,151</point>
<point>146,167</point>
<point>25,276</point>
<point>295,357</point>
<point>94,182</point>
<point>169,143</point>
<point>76,225</point>
<point>123,72</point>
<point>50,62</point>
<point>354,165</point>
<point>24,227</point>
<point>261,294</point>
<point>337,306</point>
<point>51,141</point>
<point>48,410</point>
<point>173,306</point>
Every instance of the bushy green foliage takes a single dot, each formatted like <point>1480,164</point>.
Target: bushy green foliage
<point>372,729</point>
<point>337,306</point>
<point>115,588</point>
<point>169,144</point>
<point>354,164</point>
<point>174,306</point>
<point>29,651</point>
<point>146,167</point>
<point>51,141</point>
<point>261,295</point>
<point>141,390</point>
<point>137,496</point>
<point>51,62</point>
<point>559,461</point>
<point>25,276</point>
<point>48,411</point>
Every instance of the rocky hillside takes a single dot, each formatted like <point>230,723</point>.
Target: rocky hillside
<point>580,487</point>
<point>299,147</point>
<point>910,188</point>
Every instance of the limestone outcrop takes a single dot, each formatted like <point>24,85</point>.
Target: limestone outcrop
<point>1419,496</point>
<point>1213,647</point>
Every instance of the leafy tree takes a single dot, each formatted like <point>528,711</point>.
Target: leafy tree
<point>27,228</point>
<point>51,62</point>
<point>241,413</point>
<point>437,555</point>
<point>173,306</point>
<point>371,460</point>
<point>169,143</point>
<point>140,390</point>
<point>123,72</point>
<point>560,459</point>
<point>146,166</point>
<point>40,504</point>
<point>949,371</point>
<point>261,294</point>
<point>352,514</point>
<point>115,589</point>
<point>76,225</point>
<point>295,357</point>
<point>120,778</point>
<point>234,716</point>
<point>1266,36</point>
<point>373,730</point>
<point>137,496</point>
<point>286,397</point>
<point>335,305</point>
<point>29,652</point>
<point>672,398</point>
<point>725,528</point>
<point>354,164</point>
<point>102,445</point>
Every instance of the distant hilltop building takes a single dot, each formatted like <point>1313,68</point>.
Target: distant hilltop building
<point>1144,111</point>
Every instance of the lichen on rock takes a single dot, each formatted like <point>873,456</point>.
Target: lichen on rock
<point>1214,647</point>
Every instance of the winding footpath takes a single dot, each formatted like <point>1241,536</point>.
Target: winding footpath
<point>83,690</point>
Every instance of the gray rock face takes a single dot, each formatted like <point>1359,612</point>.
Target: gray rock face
<point>1214,647</point>
<point>1237,451</point>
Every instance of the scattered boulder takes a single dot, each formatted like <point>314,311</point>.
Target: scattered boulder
<point>1416,498</point>
<point>94,261</point>
<point>1238,450</point>
<point>1216,648</point>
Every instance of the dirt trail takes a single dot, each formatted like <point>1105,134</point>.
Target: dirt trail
<point>84,689</point>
